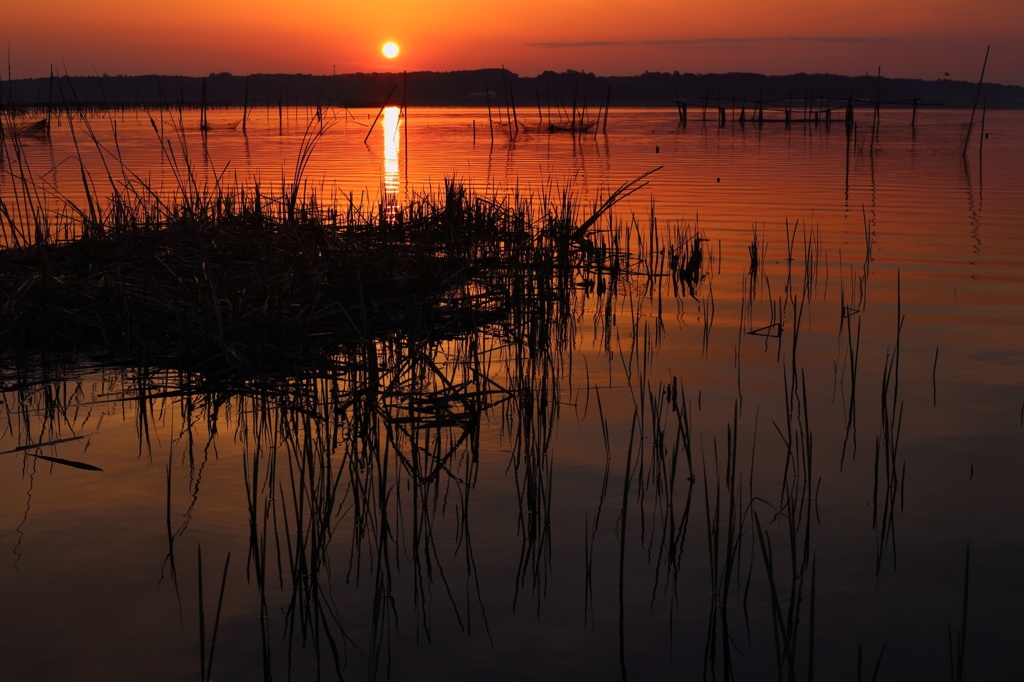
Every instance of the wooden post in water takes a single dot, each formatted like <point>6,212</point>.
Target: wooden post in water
<point>508,108</point>
<point>508,105</point>
<point>721,117</point>
<point>981,138</point>
<point>245,105</point>
<point>490,121</point>
<point>607,102</point>
<point>49,104</point>
<point>405,114</point>
<point>379,112</point>
<point>572,124</point>
<point>202,111</point>
<point>515,116</point>
<point>549,107</point>
<point>583,109</point>
<point>970,126</point>
<point>878,103</point>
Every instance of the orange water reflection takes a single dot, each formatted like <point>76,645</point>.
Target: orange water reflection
<point>528,514</point>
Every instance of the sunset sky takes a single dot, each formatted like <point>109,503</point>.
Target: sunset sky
<point>907,38</point>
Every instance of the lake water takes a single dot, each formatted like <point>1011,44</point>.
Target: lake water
<point>844,464</point>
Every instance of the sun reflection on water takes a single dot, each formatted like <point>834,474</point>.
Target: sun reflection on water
<point>392,146</point>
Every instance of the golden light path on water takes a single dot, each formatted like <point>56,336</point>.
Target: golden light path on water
<point>392,144</point>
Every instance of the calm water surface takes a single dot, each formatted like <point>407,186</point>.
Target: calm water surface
<point>837,485</point>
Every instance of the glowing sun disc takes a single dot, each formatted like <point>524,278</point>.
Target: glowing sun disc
<point>390,50</point>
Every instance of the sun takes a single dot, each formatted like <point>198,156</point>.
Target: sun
<point>390,49</point>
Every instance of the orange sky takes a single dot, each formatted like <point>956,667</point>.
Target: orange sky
<point>911,38</point>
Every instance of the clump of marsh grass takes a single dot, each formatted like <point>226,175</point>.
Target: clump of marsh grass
<point>227,276</point>
<point>218,285</point>
<point>687,262</point>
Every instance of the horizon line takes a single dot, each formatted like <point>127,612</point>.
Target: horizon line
<point>584,72</point>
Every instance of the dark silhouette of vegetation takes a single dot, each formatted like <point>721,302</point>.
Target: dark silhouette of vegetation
<point>468,88</point>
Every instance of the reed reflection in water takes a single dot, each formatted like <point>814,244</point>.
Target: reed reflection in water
<point>647,448</point>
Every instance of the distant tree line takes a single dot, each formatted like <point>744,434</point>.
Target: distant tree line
<point>498,87</point>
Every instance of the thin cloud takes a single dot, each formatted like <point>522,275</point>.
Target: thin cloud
<point>712,42</point>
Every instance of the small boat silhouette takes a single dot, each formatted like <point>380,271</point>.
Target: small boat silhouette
<point>38,129</point>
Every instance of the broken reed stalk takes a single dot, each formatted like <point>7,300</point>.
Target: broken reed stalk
<point>380,111</point>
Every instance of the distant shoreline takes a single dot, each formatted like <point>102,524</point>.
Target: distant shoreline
<point>501,88</point>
